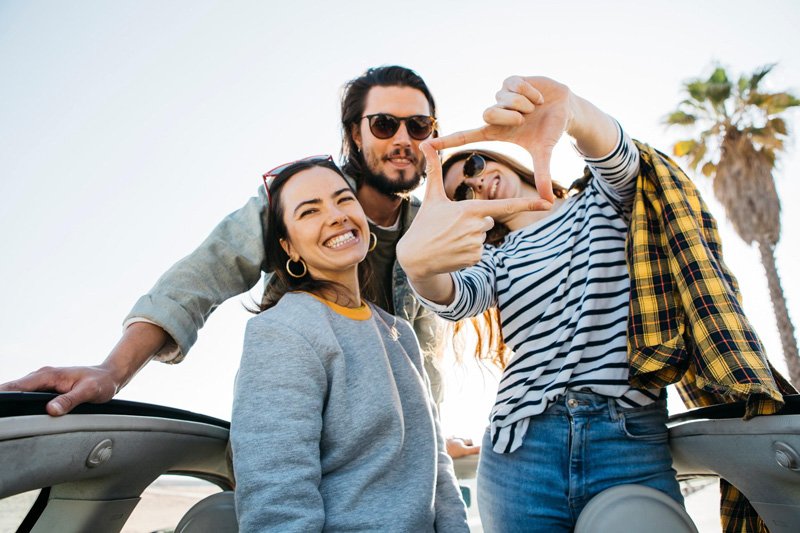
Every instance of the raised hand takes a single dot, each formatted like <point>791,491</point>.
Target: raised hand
<point>447,236</point>
<point>532,112</point>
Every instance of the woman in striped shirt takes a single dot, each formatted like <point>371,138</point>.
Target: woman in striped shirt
<point>566,424</point>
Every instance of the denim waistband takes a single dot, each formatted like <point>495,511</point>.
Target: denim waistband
<point>576,403</point>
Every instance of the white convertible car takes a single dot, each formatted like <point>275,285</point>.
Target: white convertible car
<point>91,467</point>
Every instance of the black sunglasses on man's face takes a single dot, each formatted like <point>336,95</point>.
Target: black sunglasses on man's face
<point>385,126</point>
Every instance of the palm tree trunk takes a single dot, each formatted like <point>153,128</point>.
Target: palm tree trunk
<point>785,327</point>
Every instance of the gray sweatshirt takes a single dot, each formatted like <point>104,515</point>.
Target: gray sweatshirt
<point>334,428</point>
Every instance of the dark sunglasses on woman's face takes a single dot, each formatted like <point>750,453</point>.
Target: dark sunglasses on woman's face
<point>474,166</point>
<point>385,126</point>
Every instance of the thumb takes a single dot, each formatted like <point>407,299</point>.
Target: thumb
<point>505,207</point>
<point>79,393</point>
<point>541,171</point>
<point>61,405</point>
<point>434,189</point>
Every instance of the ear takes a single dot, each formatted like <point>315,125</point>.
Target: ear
<point>289,249</point>
<point>355,132</point>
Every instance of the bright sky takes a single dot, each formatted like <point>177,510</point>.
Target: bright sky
<point>129,129</point>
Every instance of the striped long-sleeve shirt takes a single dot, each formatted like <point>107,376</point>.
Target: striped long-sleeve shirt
<point>562,287</point>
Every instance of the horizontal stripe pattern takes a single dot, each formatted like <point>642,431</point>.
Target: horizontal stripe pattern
<point>562,288</point>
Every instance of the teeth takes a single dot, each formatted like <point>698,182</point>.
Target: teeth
<point>340,240</point>
<point>494,189</point>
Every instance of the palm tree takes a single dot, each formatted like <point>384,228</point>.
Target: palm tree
<point>741,133</point>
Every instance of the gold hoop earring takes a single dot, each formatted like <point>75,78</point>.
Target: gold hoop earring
<point>289,268</point>
<point>373,241</point>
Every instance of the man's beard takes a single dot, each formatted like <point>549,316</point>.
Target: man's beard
<point>397,186</point>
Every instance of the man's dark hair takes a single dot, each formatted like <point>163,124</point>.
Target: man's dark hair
<point>354,98</point>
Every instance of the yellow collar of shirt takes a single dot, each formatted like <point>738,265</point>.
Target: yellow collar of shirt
<point>362,312</point>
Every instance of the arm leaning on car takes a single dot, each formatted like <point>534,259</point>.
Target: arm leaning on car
<point>95,384</point>
<point>227,263</point>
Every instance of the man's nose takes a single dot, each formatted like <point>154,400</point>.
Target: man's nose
<point>402,136</point>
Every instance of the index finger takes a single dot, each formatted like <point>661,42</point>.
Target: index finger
<point>505,207</point>
<point>519,85</point>
<point>434,188</point>
<point>41,380</point>
<point>459,138</point>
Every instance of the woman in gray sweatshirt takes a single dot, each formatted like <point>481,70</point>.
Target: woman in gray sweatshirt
<point>333,428</point>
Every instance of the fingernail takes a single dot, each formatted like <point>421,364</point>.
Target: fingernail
<point>58,409</point>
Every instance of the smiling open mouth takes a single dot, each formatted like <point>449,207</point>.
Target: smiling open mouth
<point>340,240</point>
<point>400,160</point>
<point>401,157</point>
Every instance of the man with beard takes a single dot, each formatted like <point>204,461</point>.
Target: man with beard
<point>386,113</point>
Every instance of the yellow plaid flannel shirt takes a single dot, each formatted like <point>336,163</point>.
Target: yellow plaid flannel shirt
<point>685,322</point>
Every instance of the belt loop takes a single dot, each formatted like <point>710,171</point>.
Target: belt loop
<point>613,409</point>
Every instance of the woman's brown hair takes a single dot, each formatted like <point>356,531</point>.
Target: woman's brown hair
<point>280,282</point>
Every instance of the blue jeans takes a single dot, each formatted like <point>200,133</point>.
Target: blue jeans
<point>581,445</point>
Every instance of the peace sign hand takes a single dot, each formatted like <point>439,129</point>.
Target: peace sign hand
<point>532,112</point>
<point>447,236</point>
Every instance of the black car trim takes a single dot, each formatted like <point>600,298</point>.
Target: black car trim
<point>732,410</point>
<point>33,403</point>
